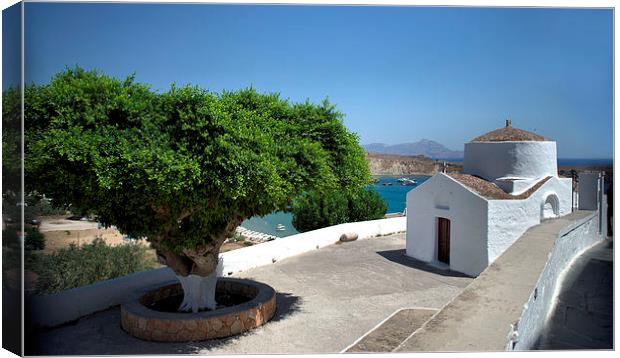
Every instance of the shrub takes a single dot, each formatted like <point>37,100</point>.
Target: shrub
<point>316,210</point>
<point>10,237</point>
<point>366,205</point>
<point>34,239</point>
<point>78,266</point>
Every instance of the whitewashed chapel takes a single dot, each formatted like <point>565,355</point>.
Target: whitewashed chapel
<point>509,183</point>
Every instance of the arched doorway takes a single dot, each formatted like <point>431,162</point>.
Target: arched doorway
<point>550,207</point>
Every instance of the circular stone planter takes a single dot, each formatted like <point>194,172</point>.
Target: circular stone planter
<point>148,324</point>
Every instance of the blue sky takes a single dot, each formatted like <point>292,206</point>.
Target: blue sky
<point>399,74</point>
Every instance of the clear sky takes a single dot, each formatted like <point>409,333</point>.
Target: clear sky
<point>399,74</point>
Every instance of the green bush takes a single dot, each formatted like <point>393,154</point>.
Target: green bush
<point>35,207</point>
<point>78,266</point>
<point>10,237</point>
<point>34,239</point>
<point>366,205</point>
<point>316,210</point>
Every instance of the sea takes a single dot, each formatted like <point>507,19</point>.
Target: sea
<point>387,186</point>
<point>573,162</point>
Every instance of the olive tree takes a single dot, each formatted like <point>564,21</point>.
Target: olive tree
<point>181,168</point>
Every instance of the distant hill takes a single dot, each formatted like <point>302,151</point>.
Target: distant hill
<point>423,147</point>
<point>391,164</point>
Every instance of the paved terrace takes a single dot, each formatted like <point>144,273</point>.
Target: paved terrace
<point>327,299</point>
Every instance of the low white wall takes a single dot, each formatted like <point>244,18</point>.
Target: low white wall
<point>572,241</point>
<point>268,252</point>
<point>66,306</point>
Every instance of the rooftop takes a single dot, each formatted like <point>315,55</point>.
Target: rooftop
<point>491,191</point>
<point>509,134</point>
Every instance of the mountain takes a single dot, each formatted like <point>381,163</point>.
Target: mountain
<point>391,164</point>
<point>424,147</point>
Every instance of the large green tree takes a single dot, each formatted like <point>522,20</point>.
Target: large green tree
<point>181,168</point>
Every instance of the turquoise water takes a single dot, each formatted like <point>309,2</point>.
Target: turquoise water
<point>395,196</point>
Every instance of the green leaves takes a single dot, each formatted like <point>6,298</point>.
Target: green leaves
<point>179,166</point>
<point>315,210</point>
<point>77,266</point>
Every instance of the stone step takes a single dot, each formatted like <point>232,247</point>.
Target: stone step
<point>393,331</point>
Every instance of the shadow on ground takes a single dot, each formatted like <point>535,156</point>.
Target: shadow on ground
<point>583,315</point>
<point>399,257</point>
<point>113,340</point>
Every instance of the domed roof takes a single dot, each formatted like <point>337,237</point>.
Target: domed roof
<point>509,134</point>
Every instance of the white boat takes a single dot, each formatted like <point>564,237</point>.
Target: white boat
<point>408,181</point>
<point>280,227</point>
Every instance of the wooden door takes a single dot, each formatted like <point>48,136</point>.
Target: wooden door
<point>443,240</point>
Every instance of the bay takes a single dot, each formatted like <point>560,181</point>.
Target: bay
<point>392,191</point>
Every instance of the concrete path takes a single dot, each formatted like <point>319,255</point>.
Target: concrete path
<point>583,317</point>
<point>327,299</point>
<point>391,333</point>
<point>62,224</point>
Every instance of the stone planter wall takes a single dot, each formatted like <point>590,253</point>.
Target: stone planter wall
<point>151,325</point>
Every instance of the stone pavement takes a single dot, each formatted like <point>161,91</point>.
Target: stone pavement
<point>583,316</point>
<point>391,333</point>
<point>326,300</point>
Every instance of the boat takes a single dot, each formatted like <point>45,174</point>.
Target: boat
<point>408,182</point>
<point>280,227</point>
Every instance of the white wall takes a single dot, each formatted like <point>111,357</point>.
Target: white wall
<point>588,191</point>
<point>442,196</point>
<point>492,160</point>
<point>268,252</point>
<point>517,186</point>
<point>536,311</point>
<point>509,219</point>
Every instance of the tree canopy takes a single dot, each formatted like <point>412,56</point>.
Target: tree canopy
<point>184,167</point>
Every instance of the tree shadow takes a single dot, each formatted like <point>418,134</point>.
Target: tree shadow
<point>101,334</point>
<point>286,305</point>
<point>399,257</point>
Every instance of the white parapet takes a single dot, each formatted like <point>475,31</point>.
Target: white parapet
<point>272,251</point>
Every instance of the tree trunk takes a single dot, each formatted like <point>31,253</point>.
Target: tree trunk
<point>198,273</point>
<point>198,269</point>
<point>199,291</point>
